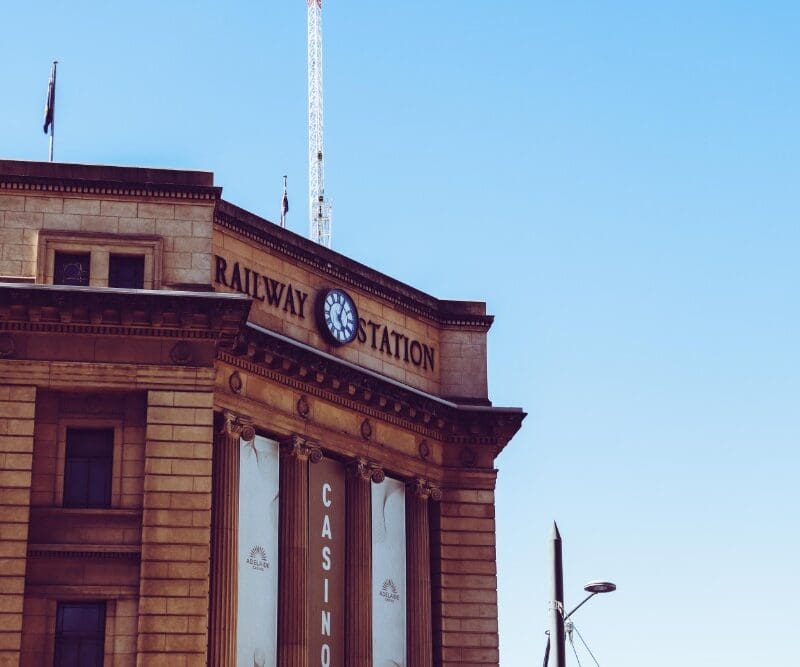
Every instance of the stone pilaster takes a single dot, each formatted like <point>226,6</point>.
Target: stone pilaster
<point>229,428</point>
<point>358,562</point>
<point>176,529</point>
<point>17,408</point>
<point>418,573</point>
<point>293,550</point>
<point>464,577</point>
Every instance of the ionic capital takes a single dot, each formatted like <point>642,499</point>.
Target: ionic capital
<point>423,489</point>
<point>366,470</point>
<point>238,426</point>
<point>301,448</point>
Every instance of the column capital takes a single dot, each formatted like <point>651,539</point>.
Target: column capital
<point>302,448</point>
<point>237,425</point>
<point>366,470</point>
<point>423,489</point>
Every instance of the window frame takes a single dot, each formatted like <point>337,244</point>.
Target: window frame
<point>116,458</point>
<point>89,464</point>
<point>87,255</point>
<point>126,256</point>
<point>100,247</point>
<point>60,604</point>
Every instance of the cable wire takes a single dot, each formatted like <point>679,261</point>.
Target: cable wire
<point>572,644</point>
<point>580,636</point>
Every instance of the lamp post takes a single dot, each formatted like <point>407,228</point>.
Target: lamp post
<point>555,653</point>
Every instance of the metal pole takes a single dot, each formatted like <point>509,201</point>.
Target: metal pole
<point>558,656</point>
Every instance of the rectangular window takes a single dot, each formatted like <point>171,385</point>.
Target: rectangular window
<point>87,467</point>
<point>80,634</point>
<point>71,268</point>
<point>126,271</point>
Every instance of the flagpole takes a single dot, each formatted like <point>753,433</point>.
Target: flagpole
<point>53,121</point>
<point>284,205</point>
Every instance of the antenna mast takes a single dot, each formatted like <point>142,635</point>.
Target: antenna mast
<point>319,209</point>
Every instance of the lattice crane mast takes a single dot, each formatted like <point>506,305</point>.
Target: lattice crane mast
<point>319,209</point>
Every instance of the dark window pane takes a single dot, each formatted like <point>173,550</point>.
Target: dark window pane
<point>88,467</point>
<point>80,634</point>
<point>126,271</point>
<point>67,653</point>
<point>71,269</point>
<point>91,652</point>
<point>80,617</point>
<point>76,482</point>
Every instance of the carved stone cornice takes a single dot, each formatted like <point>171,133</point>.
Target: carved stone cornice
<point>423,489</point>
<point>314,373</point>
<point>238,426</point>
<point>366,471</point>
<point>301,448</point>
<point>54,177</point>
<point>101,311</point>
<point>459,314</point>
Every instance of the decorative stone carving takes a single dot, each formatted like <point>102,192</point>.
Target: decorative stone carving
<point>7,346</point>
<point>423,489</point>
<point>235,382</point>
<point>302,448</point>
<point>366,470</point>
<point>366,429</point>
<point>468,457</point>
<point>181,353</point>
<point>377,473</point>
<point>303,408</point>
<point>424,449</point>
<point>238,425</point>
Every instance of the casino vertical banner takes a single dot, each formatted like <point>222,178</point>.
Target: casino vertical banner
<point>326,548</point>
<point>389,573</point>
<point>257,614</point>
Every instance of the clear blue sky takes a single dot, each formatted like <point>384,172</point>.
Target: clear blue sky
<point>619,181</point>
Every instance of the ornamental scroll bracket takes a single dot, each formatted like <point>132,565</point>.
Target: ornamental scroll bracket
<point>238,425</point>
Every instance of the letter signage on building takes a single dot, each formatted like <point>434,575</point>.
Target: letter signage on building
<point>336,314</point>
<point>326,540</point>
<point>389,573</point>
<point>257,615</point>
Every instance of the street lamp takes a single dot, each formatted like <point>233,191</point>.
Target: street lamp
<point>593,588</point>
<point>556,638</point>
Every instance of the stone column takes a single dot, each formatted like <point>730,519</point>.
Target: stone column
<point>418,573</point>
<point>358,562</point>
<point>293,550</point>
<point>229,428</point>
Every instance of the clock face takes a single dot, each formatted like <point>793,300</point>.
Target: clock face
<point>337,315</point>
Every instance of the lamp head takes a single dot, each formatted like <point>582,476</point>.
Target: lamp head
<point>600,587</point>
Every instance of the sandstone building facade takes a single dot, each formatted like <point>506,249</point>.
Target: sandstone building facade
<point>223,444</point>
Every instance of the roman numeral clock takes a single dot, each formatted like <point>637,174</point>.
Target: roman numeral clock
<point>337,316</point>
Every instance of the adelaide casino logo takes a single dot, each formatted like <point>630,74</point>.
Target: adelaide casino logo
<point>258,559</point>
<point>389,591</point>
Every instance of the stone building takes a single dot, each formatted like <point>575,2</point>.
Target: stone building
<point>223,444</point>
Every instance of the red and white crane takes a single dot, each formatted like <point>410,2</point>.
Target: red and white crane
<point>319,207</point>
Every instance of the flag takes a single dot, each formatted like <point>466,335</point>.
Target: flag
<point>50,104</point>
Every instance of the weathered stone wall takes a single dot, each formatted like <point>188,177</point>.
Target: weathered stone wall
<point>17,406</point>
<point>185,228</point>
<point>464,578</point>
<point>176,531</point>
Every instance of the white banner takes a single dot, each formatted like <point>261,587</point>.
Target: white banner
<point>257,614</point>
<point>389,573</point>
